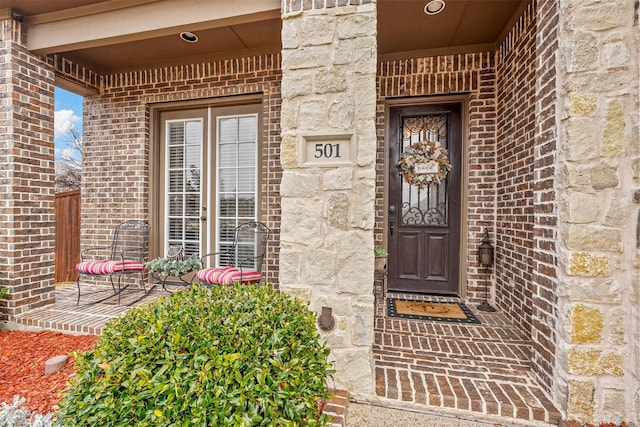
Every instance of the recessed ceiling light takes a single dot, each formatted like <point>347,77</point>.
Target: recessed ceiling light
<point>434,7</point>
<point>188,37</point>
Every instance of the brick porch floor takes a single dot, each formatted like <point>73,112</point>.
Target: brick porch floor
<point>97,307</point>
<point>480,369</point>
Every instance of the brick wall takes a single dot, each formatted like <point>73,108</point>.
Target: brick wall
<point>27,236</point>
<point>294,6</point>
<point>474,74</point>
<point>116,139</point>
<point>545,234</point>
<point>76,73</point>
<point>515,88</point>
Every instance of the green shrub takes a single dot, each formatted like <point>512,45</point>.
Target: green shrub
<point>237,355</point>
<point>4,292</point>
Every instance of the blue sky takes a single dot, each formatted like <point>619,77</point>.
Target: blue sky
<point>68,112</point>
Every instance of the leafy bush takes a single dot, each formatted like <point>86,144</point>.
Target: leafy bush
<point>4,292</point>
<point>224,355</point>
<point>12,415</point>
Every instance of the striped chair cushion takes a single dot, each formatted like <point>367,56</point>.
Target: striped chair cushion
<point>228,275</point>
<point>108,267</point>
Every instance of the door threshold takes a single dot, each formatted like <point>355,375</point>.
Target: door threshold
<point>421,296</point>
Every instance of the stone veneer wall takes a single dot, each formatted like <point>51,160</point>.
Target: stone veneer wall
<point>326,241</point>
<point>472,73</point>
<point>599,171</point>
<point>115,183</point>
<point>27,235</point>
<point>515,88</point>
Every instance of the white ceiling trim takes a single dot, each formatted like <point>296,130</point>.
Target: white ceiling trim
<point>144,21</point>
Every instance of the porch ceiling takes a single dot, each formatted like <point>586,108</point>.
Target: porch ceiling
<point>116,35</point>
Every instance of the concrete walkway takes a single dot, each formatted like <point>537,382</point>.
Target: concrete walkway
<point>365,415</point>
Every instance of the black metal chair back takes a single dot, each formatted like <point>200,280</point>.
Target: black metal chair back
<point>249,247</point>
<point>130,241</point>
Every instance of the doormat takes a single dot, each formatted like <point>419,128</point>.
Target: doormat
<point>429,310</point>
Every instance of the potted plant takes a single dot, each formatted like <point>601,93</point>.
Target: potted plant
<point>173,267</point>
<point>171,270</point>
<point>381,255</point>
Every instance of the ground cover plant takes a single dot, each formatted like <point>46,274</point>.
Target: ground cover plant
<point>14,415</point>
<point>238,355</point>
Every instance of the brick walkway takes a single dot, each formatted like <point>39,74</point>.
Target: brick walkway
<point>483,369</point>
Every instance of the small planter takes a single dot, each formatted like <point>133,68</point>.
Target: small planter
<point>381,263</point>
<point>173,271</point>
<point>381,255</point>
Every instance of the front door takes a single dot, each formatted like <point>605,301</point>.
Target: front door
<point>424,223</point>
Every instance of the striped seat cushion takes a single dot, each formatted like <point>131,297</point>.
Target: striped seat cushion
<point>228,275</point>
<point>108,267</point>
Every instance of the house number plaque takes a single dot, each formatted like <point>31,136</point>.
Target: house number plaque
<point>326,150</point>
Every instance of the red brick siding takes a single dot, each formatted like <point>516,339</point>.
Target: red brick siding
<point>515,68</point>
<point>292,6</point>
<point>545,234</point>
<point>76,73</point>
<point>27,233</point>
<point>116,139</point>
<point>443,75</point>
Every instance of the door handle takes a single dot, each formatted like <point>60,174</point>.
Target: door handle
<point>391,227</point>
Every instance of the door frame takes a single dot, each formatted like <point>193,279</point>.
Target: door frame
<point>463,101</point>
<point>155,169</point>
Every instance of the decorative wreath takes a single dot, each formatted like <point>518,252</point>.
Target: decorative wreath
<point>433,159</point>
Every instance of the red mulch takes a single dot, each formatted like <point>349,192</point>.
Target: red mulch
<point>22,357</point>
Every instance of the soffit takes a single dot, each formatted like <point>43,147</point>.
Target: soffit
<point>404,30</point>
<point>463,25</point>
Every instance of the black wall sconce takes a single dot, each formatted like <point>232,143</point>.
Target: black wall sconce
<point>485,258</point>
<point>17,16</point>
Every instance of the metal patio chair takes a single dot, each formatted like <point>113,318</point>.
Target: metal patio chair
<point>240,260</point>
<point>124,256</point>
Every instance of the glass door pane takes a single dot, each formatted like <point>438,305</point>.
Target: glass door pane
<point>183,166</point>
<point>236,192</point>
<point>426,206</point>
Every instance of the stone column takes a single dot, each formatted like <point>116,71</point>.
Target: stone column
<point>27,192</point>
<point>328,184</point>
<point>598,158</point>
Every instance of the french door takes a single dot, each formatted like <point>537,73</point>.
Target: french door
<point>424,223</point>
<point>208,173</point>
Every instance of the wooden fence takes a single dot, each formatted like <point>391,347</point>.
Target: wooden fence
<point>67,235</point>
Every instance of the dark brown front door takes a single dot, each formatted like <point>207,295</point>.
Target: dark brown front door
<point>424,224</point>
